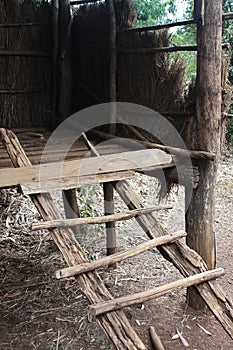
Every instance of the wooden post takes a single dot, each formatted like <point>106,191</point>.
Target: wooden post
<point>112,64</point>
<point>107,187</point>
<point>65,70</point>
<point>55,19</point>
<point>110,226</point>
<point>71,207</point>
<point>64,96</point>
<point>206,134</point>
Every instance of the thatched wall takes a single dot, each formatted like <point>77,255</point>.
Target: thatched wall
<point>25,81</point>
<point>152,80</point>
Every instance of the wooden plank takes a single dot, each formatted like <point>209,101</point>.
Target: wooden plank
<point>62,172</point>
<point>127,215</point>
<point>117,257</point>
<point>138,298</point>
<point>116,324</point>
<point>74,182</point>
<point>186,260</point>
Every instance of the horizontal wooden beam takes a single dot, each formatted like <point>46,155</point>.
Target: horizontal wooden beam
<point>167,49</point>
<point>83,2</point>
<point>26,24</point>
<point>227,16</point>
<point>172,150</point>
<point>21,92</point>
<point>79,172</point>
<point>137,298</point>
<point>24,53</point>
<point>161,49</point>
<point>115,258</point>
<point>127,215</point>
<point>160,26</point>
<point>74,182</point>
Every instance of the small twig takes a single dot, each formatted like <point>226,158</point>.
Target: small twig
<point>58,338</point>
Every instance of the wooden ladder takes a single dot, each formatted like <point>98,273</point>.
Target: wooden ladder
<point>107,309</point>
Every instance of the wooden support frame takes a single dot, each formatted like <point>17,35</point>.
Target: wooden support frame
<point>186,260</point>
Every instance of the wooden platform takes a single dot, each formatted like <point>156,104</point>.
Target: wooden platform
<point>34,145</point>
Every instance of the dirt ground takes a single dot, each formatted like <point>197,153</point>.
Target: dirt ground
<point>39,312</point>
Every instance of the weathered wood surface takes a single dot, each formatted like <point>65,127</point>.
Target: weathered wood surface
<point>111,240</point>
<point>74,182</point>
<point>58,174</point>
<point>206,133</point>
<point>71,208</point>
<point>138,298</point>
<point>156,341</point>
<point>115,324</point>
<point>150,145</point>
<point>109,260</point>
<point>57,151</point>
<point>127,215</point>
<point>187,261</point>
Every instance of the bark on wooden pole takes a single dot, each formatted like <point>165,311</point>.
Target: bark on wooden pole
<point>141,297</point>
<point>110,226</point>
<point>107,187</point>
<point>206,133</point>
<point>127,254</point>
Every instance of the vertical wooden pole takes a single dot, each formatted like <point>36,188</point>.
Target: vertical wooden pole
<point>71,207</point>
<point>55,21</point>
<point>107,187</point>
<point>65,66</point>
<point>110,226</point>
<point>64,92</point>
<point>206,134</point>
<point>112,64</point>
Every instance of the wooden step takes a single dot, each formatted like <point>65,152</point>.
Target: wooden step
<point>115,258</point>
<point>127,215</point>
<point>138,298</point>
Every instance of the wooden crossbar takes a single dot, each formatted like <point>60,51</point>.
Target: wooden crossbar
<point>137,298</point>
<point>127,215</point>
<point>115,258</point>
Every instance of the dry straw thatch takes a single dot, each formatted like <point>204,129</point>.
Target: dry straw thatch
<point>25,81</point>
<point>152,80</point>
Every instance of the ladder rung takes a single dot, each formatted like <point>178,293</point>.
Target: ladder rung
<point>127,215</point>
<point>119,303</point>
<point>115,258</point>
